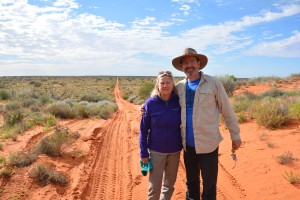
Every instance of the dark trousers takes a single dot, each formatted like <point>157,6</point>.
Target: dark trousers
<point>207,165</point>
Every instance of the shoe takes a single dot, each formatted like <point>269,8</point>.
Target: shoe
<point>146,167</point>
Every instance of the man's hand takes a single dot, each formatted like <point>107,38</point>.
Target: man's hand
<point>142,109</point>
<point>236,144</point>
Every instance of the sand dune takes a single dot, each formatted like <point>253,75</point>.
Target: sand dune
<point>109,166</point>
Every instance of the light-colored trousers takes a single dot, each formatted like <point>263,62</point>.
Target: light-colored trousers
<point>163,175</point>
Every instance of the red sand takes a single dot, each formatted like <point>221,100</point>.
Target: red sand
<point>108,165</point>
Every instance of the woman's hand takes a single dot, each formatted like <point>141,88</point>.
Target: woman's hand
<point>144,160</point>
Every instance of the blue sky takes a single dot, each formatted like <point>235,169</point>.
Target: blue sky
<point>249,38</point>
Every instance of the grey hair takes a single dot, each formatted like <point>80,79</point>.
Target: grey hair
<point>155,92</point>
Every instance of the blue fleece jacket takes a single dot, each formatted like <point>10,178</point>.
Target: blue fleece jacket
<point>160,126</point>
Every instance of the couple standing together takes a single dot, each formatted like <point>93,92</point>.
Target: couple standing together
<point>185,115</point>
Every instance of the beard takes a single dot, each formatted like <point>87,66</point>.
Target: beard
<point>190,71</point>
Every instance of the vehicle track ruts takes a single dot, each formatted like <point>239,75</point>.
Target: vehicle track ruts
<point>109,177</point>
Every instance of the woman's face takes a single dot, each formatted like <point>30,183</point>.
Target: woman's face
<point>165,85</point>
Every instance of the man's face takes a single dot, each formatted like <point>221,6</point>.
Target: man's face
<point>190,65</point>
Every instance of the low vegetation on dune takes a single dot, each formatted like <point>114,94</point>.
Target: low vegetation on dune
<point>27,102</point>
<point>42,173</point>
<point>30,101</point>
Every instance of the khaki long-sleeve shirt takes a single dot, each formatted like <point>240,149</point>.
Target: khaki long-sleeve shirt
<point>210,100</point>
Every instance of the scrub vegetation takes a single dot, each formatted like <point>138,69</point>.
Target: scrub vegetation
<point>27,102</point>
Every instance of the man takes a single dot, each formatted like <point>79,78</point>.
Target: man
<point>202,99</point>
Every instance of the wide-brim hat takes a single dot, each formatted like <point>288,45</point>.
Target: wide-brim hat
<point>176,62</point>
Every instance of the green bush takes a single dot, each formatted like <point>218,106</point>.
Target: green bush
<point>4,94</point>
<point>62,110</point>
<point>294,109</point>
<point>42,119</point>
<point>145,90</point>
<point>272,93</point>
<point>13,105</point>
<point>103,109</point>
<point>44,99</point>
<point>272,114</point>
<point>2,161</point>
<point>229,83</point>
<point>94,98</point>
<point>12,118</point>
<point>51,145</point>
<point>126,96</point>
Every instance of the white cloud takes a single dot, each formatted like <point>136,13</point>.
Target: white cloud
<point>185,9</point>
<point>286,48</point>
<point>224,37</point>
<point>55,34</point>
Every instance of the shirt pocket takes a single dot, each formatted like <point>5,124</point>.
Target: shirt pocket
<point>206,99</point>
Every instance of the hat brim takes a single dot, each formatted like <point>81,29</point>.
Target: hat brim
<point>176,62</point>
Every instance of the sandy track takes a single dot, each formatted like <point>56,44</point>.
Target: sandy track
<point>111,177</point>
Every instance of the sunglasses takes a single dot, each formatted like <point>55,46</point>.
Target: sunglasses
<point>165,73</point>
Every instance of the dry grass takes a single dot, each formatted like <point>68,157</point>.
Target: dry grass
<point>291,177</point>
<point>43,176</point>
<point>285,158</point>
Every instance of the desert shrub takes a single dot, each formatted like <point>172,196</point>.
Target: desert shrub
<point>4,94</point>
<point>94,98</point>
<point>44,176</point>
<point>103,109</point>
<point>81,110</point>
<point>263,79</point>
<point>13,105</point>
<point>44,99</point>
<point>241,117</point>
<point>285,158</point>
<point>12,118</point>
<point>229,83</point>
<point>36,83</point>
<point>2,161</point>
<point>42,119</point>
<point>28,102</point>
<point>132,99</point>
<point>295,76</point>
<point>107,111</point>
<point>240,106</point>
<point>62,110</point>
<point>1,147</point>
<point>126,96</point>
<point>272,113</point>
<point>294,109</point>
<point>22,159</point>
<point>145,90</point>
<point>291,177</point>
<point>272,93</point>
<point>51,145</point>
<point>6,172</point>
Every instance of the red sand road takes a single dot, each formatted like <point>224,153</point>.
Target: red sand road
<point>109,167</point>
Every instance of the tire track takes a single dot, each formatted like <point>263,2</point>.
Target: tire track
<point>228,187</point>
<point>109,176</point>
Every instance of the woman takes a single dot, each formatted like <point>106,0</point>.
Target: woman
<point>160,137</point>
